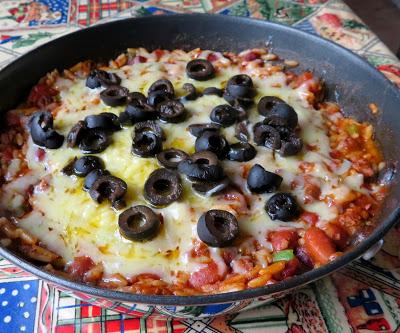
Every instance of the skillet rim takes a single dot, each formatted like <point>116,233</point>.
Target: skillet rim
<point>279,287</point>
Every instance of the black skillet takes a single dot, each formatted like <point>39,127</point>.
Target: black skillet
<point>350,81</point>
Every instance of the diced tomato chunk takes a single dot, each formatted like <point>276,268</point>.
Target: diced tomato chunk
<point>335,154</point>
<point>7,154</point>
<point>306,167</point>
<point>229,254</point>
<point>311,192</point>
<point>40,154</point>
<point>42,95</point>
<point>212,57</point>
<point>237,201</point>
<point>206,275</point>
<point>159,53</point>
<point>199,250</point>
<point>140,59</point>
<point>283,239</point>
<point>13,119</point>
<point>291,268</point>
<point>144,276</point>
<point>338,234</point>
<point>309,217</point>
<point>79,267</point>
<point>303,77</point>
<point>250,56</point>
<point>318,245</point>
<point>241,265</point>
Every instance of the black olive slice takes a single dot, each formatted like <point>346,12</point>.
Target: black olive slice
<point>229,98</point>
<point>266,104</point>
<point>217,228</point>
<point>125,119</point>
<point>240,86</point>
<point>76,133</point>
<point>92,80</point>
<point>224,114</point>
<point>241,132</point>
<point>240,80</point>
<point>268,136</point>
<point>94,141</point>
<point>92,176</point>
<point>283,207</point>
<point>139,223</point>
<point>205,157</point>
<point>213,91</point>
<point>69,168</point>
<point>200,70</point>
<point>198,129</point>
<point>146,144</point>
<point>114,95</point>
<point>241,152</point>
<point>171,111</point>
<point>42,132</point>
<point>149,126</point>
<point>192,93</point>
<point>106,120</point>
<point>99,78</point>
<point>85,164</point>
<point>208,189</point>
<point>40,122</point>
<point>53,140</point>
<point>284,132</point>
<point>136,98</point>
<point>202,166</point>
<point>157,97</point>
<point>235,100</point>
<point>292,145</point>
<point>111,188</point>
<point>241,112</point>
<point>162,187</point>
<point>238,91</point>
<point>213,142</point>
<point>260,180</point>
<point>170,158</point>
<point>282,114</point>
<point>162,85</point>
<point>137,112</point>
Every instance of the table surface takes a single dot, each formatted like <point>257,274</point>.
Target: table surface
<point>363,297</point>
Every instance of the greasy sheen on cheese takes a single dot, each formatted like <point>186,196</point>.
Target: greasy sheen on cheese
<point>67,221</point>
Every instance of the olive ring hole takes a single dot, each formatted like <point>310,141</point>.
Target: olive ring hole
<point>221,224</point>
<point>137,222</point>
<point>162,186</point>
<point>173,157</point>
<point>198,68</point>
<point>203,161</point>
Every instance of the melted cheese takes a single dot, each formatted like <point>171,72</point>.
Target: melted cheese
<point>70,223</point>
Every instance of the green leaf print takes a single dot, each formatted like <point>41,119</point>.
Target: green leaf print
<point>265,8</point>
<point>353,24</point>
<point>239,9</point>
<point>30,39</point>
<point>192,310</point>
<point>297,12</point>
<point>142,11</point>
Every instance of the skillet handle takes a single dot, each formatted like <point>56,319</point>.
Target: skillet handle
<point>373,250</point>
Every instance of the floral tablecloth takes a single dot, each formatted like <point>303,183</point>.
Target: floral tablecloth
<point>363,297</point>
